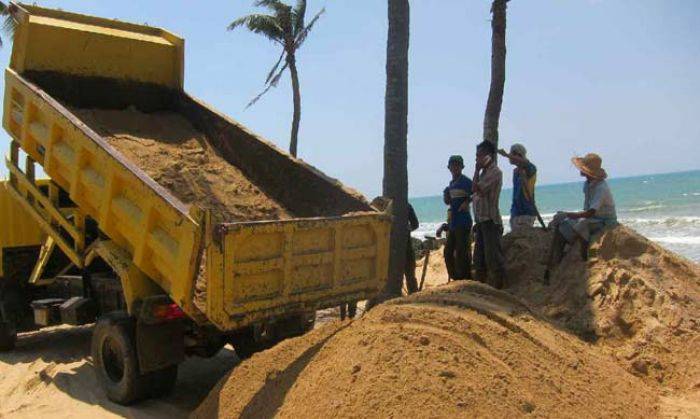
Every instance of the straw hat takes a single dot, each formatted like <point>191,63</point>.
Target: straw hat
<point>590,164</point>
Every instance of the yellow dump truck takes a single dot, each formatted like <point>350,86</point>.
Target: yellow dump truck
<point>166,264</point>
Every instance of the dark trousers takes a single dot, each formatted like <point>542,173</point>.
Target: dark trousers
<point>348,310</point>
<point>489,262</point>
<point>457,255</point>
<point>410,268</point>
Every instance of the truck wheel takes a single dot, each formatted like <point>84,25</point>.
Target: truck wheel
<point>115,360</point>
<point>9,318</point>
<point>8,336</point>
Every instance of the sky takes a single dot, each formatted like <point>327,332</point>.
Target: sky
<point>616,77</point>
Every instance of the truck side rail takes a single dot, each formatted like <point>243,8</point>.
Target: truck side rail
<point>44,209</point>
<point>157,230</point>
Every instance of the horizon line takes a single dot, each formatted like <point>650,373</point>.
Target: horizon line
<point>578,181</point>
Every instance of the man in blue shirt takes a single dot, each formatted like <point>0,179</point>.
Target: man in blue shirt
<point>458,196</point>
<point>522,210</point>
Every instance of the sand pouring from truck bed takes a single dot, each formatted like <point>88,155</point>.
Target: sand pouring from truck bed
<point>457,350</point>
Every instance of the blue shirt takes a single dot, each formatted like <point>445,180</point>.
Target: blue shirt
<point>524,178</point>
<point>460,191</point>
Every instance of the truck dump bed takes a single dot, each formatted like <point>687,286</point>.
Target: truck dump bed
<point>187,192</point>
<point>181,159</point>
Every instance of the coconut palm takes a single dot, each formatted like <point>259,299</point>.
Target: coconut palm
<point>285,26</point>
<point>395,183</point>
<point>8,21</point>
<point>498,71</point>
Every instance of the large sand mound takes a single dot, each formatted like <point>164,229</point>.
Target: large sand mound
<point>178,157</point>
<point>458,350</point>
<point>632,296</point>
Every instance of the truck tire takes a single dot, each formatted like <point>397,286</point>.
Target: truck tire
<point>115,360</point>
<point>8,336</point>
<point>9,317</point>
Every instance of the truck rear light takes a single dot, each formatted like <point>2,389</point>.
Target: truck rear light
<point>168,312</point>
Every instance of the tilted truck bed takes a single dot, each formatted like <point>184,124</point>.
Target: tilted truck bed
<point>333,249</point>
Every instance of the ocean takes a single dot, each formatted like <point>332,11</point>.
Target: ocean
<point>663,207</point>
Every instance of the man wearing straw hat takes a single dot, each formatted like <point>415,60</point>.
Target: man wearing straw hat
<point>598,211</point>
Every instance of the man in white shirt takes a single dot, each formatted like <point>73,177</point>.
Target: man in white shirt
<point>489,262</point>
<point>598,211</point>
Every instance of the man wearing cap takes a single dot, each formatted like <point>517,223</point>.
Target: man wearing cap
<point>458,196</point>
<point>598,211</point>
<point>522,209</point>
<point>488,255</point>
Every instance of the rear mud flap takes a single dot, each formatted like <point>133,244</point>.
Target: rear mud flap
<point>160,345</point>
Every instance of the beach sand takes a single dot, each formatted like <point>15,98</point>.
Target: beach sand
<point>615,335</point>
<point>593,343</point>
<point>50,375</point>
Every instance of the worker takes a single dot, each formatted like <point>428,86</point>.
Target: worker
<point>457,195</point>
<point>348,310</point>
<point>522,210</point>
<point>410,266</point>
<point>598,212</point>
<point>488,254</point>
<point>444,227</point>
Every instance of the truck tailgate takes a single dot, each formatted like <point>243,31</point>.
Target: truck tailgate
<point>261,270</point>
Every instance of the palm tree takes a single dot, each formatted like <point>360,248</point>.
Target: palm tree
<point>395,183</point>
<point>286,27</point>
<point>498,71</point>
<point>8,21</point>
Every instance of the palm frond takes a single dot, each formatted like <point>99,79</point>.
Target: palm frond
<point>275,5</point>
<point>9,24</point>
<point>301,37</point>
<point>265,25</point>
<point>270,84</point>
<point>298,15</point>
<point>274,68</point>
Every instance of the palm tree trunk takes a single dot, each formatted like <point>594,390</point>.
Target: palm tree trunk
<point>395,183</point>
<point>297,104</point>
<point>498,71</point>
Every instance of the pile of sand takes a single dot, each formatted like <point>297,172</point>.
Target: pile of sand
<point>459,350</point>
<point>632,296</point>
<point>172,152</point>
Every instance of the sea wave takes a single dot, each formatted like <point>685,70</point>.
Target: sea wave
<point>671,224</point>
<point>671,221</point>
<point>693,240</point>
<point>644,208</point>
